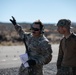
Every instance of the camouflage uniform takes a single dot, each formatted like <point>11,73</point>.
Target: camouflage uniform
<point>39,49</point>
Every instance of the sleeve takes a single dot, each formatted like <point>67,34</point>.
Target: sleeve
<point>46,53</point>
<point>60,57</point>
<point>21,32</point>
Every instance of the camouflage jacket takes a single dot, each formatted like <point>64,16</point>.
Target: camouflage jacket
<point>39,49</point>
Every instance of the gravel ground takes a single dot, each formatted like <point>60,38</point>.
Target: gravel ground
<point>49,69</point>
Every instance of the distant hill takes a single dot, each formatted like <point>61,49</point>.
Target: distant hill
<point>9,26</point>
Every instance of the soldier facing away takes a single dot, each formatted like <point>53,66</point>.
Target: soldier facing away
<point>66,63</point>
<point>39,49</point>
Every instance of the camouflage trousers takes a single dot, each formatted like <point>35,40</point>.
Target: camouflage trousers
<point>29,71</point>
<point>66,71</point>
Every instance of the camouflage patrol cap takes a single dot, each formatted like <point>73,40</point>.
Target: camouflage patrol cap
<point>64,22</point>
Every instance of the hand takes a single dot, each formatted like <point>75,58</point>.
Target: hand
<point>31,62</point>
<point>13,21</point>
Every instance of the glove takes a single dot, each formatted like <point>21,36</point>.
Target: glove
<point>31,62</point>
<point>13,21</point>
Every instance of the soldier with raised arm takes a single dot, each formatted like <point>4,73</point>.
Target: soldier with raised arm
<point>39,49</point>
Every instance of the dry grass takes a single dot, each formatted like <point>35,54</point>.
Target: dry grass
<point>10,43</point>
<point>9,36</point>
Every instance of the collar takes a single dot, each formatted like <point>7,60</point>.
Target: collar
<point>68,36</point>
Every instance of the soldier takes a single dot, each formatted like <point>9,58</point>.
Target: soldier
<point>66,63</point>
<point>39,48</point>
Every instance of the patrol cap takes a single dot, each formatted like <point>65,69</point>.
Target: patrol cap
<point>64,22</point>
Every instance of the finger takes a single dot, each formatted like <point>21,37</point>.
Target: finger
<point>10,20</point>
<point>13,18</point>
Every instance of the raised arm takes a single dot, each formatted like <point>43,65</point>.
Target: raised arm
<point>17,27</point>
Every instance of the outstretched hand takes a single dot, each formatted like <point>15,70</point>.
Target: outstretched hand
<point>13,21</point>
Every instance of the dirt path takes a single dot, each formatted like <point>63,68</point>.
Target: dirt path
<point>10,61</point>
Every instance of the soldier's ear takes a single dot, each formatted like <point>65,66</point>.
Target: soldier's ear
<point>42,30</point>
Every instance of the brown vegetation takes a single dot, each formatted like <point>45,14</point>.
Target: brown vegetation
<point>9,36</point>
